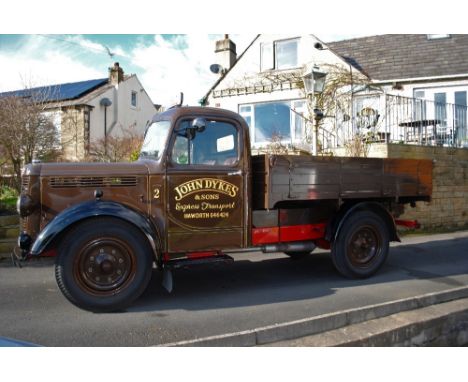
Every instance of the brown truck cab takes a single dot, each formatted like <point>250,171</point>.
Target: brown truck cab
<point>195,195</point>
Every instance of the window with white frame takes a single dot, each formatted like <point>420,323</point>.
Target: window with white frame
<point>279,54</point>
<point>420,105</point>
<point>440,103</point>
<point>273,121</point>
<point>286,54</point>
<point>266,56</point>
<point>133,100</point>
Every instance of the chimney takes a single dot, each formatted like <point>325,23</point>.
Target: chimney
<point>116,74</point>
<point>226,55</point>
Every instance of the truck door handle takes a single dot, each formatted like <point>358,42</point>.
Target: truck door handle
<point>238,172</point>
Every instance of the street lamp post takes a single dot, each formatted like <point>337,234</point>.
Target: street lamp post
<point>314,83</point>
<point>106,102</point>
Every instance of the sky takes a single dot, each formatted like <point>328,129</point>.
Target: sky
<point>44,42</point>
<point>166,64</point>
<point>55,47</point>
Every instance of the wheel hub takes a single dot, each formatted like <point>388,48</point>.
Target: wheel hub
<point>105,262</point>
<point>105,265</point>
<point>363,246</point>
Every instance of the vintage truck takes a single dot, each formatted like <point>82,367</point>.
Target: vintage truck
<point>196,195</point>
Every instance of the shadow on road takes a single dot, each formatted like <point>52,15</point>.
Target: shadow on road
<point>246,283</point>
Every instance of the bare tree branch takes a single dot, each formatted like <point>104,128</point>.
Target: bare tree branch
<point>27,131</point>
<point>125,147</point>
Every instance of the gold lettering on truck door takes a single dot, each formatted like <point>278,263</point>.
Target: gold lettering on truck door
<point>206,202</point>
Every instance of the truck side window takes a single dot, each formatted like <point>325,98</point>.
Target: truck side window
<point>216,145</point>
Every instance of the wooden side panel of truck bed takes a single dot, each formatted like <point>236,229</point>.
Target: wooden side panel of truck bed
<point>286,177</point>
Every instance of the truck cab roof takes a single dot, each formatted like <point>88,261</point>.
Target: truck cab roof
<point>177,112</point>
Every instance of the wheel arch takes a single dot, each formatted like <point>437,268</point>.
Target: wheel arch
<point>68,218</point>
<point>347,210</point>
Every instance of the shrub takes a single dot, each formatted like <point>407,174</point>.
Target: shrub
<point>8,197</point>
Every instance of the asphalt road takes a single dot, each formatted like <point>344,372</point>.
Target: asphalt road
<point>256,290</point>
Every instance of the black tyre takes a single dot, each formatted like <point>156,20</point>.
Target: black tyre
<point>103,264</point>
<point>297,255</point>
<point>361,247</point>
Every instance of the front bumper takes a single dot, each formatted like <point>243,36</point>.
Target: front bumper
<point>21,252</point>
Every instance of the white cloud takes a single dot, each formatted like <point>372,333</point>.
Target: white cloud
<point>171,66</point>
<point>181,64</point>
<point>165,67</point>
<point>40,62</point>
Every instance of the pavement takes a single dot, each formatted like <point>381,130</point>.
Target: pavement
<point>256,291</point>
<point>442,324</point>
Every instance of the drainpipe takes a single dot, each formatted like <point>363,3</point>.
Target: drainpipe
<point>116,110</point>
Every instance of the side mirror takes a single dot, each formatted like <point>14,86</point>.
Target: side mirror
<point>199,124</point>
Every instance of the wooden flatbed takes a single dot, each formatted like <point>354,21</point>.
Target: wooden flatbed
<point>279,178</point>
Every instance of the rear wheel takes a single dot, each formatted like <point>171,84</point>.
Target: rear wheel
<point>103,264</point>
<point>361,247</point>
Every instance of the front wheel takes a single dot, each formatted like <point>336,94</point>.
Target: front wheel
<point>361,247</point>
<point>103,264</point>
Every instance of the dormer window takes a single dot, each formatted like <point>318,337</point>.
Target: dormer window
<point>279,55</point>
<point>437,36</point>
<point>286,54</point>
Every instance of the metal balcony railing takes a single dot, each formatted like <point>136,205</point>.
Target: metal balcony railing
<point>396,119</point>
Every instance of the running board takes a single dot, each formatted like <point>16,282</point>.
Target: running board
<point>188,263</point>
<point>169,266</point>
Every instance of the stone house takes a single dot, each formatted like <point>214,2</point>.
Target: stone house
<point>413,103</point>
<point>419,86</point>
<point>89,111</point>
<point>415,92</point>
<point>265,81</point>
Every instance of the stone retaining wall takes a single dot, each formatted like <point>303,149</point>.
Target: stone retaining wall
<point>449,206</point>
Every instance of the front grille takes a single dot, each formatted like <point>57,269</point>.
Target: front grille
<point>25,183</point>
<point>72,182</point>
<point>24,224</point>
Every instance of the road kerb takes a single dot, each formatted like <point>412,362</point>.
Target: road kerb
<point>322,323</point>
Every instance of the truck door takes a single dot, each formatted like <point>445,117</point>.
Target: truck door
<point>205,186</point>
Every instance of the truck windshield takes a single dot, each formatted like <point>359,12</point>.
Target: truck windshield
<point>155,140</point>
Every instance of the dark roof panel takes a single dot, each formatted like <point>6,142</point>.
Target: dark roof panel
<point>60,92</point>
<point>400,56</point>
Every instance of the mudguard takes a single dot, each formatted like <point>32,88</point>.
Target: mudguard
<point>90,209</point>
<point>334,229</point>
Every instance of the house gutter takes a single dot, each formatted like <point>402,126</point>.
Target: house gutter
<point>421,79</point>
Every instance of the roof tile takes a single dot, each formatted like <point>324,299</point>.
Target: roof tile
<point>399,56</point>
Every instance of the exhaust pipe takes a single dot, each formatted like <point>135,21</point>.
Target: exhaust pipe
<point>298,246</point>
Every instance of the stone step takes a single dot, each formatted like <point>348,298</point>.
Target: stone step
<point>5,256</point>
<point>9,232</point>
<point>7,220</point>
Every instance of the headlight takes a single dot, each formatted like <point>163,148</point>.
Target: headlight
<point>25,205</point>
<point>24,241</point>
